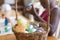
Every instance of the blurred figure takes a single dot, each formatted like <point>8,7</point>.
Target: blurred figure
<point>55,16</point>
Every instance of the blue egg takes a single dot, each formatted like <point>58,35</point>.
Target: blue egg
<point>31,29</point>
<point>6,22</point>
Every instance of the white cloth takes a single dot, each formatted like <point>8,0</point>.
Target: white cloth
<point>39,6</point>
<point>9,1</point>
<point>6,8</point>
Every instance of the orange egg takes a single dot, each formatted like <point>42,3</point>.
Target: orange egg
<point>21,28</point>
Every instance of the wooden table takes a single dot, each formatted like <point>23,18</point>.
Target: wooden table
<point>12,37</point>
<point>52,38</point>
<point>8,37</point>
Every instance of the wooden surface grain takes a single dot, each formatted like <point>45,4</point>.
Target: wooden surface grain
<point>12,37</point>
<point>52,38</point>
<point>8,37</point>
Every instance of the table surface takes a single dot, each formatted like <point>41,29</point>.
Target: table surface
<point>12,37</point>
<point>13,21</point>
<point>8,37</point>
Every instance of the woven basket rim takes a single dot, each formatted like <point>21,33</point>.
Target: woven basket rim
<point>13,29</point>
<point>48,29</point>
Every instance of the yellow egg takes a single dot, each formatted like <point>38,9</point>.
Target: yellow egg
<point>19,21</point>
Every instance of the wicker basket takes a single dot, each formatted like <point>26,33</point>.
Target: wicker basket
<point>33,36</point>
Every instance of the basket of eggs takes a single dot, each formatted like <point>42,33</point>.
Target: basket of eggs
<point>31,31</point>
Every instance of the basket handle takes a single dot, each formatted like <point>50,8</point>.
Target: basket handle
<point>48,23</point>
<point>16,9</point>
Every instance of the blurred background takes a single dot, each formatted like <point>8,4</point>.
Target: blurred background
<point>22,3</point>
